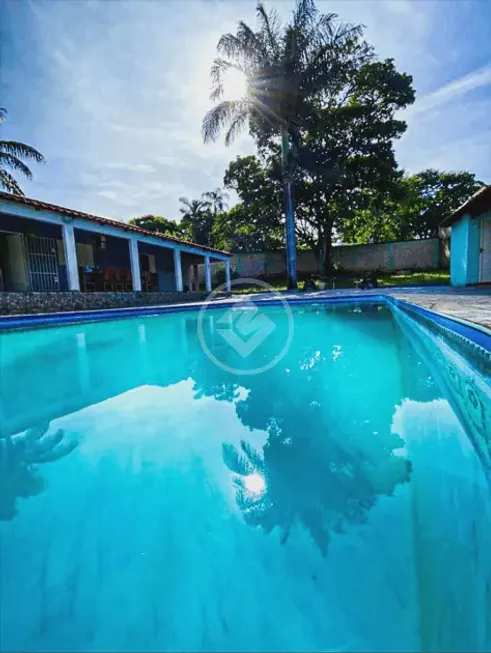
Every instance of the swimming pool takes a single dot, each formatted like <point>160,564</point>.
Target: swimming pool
<point>157,497</point>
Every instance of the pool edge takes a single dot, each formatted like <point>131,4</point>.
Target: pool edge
<point>476,333</point>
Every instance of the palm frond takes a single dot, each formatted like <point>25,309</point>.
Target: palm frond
<point>236,126</point>
<point>254,457</point>
<point>240,48</point>
<point>235,461</point>
<point>31,435</point>
<point>187,204</point>
<point>12,162</point>
<point>270,26</point>
<point>60,451</point>
<point>221,115</point>
<point>21,150</point>
<point>304,14</point>
<point>44,445</point>
<point>8,182</point>
<point>323,60</point>
<point>218,69</point>
<point>253,43</point>
<point>336,32</point>
<point>3,115</point>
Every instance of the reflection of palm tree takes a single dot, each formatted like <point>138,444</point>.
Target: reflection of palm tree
<point>323,488</point>
<point>328,456</point>
<point>19,455</point>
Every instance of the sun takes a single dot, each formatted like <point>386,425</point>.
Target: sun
<point>234,85</point>
<point>255,483</point>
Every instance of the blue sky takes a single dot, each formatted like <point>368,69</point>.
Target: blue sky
<point>113,93</point>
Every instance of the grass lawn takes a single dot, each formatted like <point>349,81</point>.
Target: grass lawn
<point>432,278</point>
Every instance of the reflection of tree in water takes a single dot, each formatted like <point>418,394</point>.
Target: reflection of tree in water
<point>296,479</point>
<point>316,470</point>
<point>20,456</point>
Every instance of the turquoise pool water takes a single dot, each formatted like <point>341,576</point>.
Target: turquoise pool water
<point>152,500</point>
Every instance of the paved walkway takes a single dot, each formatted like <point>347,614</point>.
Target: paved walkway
<point>472,304</point>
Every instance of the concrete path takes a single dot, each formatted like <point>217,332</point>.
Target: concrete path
<point>471,304</point>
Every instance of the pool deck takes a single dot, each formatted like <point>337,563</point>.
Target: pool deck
<point>471,304</point>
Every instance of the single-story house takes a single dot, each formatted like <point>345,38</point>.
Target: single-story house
<point>44,247</point>
<point>470,240</point>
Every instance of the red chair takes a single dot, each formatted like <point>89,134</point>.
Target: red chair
<point>108,279</point>
<point>118,281</point>
<point>128,280</point>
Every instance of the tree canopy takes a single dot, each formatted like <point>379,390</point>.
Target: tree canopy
<point>159,224</point>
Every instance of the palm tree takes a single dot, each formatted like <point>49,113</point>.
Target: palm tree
<point>11,153</point>
<point>20,456</point>
<point>196,219</point>
<point>286,71</point>
<point>218,200</point>
<point>193,209</point>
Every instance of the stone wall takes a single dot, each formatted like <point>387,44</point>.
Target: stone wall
<point>12,303</point>
<point>423,254</point>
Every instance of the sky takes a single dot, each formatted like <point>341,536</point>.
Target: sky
<point>113,92</point>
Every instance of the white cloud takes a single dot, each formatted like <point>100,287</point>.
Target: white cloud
<point>130,167</point>
<point>453,90</point>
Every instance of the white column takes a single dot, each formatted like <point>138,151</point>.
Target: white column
<point>178,269</point>
<point>228,280</point>
<point>70,256</point>
<point>207,274</point>
<point>135,265</point>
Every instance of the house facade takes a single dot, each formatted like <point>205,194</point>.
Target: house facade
<point>44,247</point>
<point>470,240</point>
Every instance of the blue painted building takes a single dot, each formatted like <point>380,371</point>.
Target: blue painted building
<point>44,247</point>
<point>470,240</point>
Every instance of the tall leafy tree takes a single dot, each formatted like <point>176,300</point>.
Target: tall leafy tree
<point>12,154</point>
<point>286,69</point>
<point>159,224</point>
<point>347,150</point>
<point>430,196</point>
<point>256,223</point>
<point>242,229</point>
<point>413,207</point>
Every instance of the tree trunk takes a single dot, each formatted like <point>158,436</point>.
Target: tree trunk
<point>291,249</point>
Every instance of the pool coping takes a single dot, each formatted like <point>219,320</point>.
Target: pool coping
<point>476,333</point>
